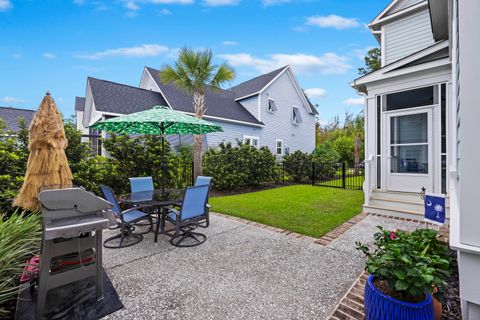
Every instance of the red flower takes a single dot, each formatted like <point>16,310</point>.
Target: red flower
<point>392,235</point>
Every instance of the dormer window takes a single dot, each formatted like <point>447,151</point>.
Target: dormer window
<point>272,107</point>
<point>296,117</point>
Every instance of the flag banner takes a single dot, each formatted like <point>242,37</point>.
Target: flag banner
<point>435,208</point>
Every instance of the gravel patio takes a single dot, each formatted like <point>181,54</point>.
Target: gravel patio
<point>241,272</point>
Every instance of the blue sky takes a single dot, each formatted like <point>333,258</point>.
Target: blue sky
<point>55,45</point>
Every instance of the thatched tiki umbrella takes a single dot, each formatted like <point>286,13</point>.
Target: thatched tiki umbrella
<point>47,163</point>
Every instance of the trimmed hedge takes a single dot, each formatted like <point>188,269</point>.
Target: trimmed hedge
<point>241,166</point>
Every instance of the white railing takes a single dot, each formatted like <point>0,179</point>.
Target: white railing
<point>370,165</point>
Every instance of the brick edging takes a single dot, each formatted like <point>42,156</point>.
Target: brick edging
<point>351,306</point>
<point>322,241</point>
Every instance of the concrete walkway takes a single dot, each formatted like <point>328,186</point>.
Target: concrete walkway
<point>241,272</point>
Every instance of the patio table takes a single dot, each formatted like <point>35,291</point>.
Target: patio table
<point>155,199</point>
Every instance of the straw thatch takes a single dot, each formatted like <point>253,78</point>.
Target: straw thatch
<point>47,163</point>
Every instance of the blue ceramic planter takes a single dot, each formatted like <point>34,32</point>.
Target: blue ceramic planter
<point>382,307</point>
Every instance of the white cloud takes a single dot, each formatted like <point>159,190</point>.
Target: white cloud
<point>131,5</point>
<point>316,93</point>
<point>355,101</point>
<point>79,2</point>
<point>218,3</point>
<point>360,53</point>
<point>48,55</point>
<point>273,2</point>
<point>333,21</point>
<point>164,12</point>
<point>144,50</point>
<point>11,100</point>
<point>328,63</point>
<point>5,5</point>
<point>230,43</point>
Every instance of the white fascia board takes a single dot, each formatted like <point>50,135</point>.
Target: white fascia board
<point>382,13</point>
<point>381,20</point>
<point>247,96</point>
<point>300,91</point>
<point>382,73</point>
<point>274,79</point>
<point>158,87</point>
<point>265,87</point>
<point>228,120</point>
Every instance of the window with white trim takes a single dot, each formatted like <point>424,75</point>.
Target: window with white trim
<point>251,141</point>
<point>271,107</point>
<point>296,117</point>
<point>279,147</point>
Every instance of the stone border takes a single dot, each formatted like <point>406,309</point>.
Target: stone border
<point>322,241</point>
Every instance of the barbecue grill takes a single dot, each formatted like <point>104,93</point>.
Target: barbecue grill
<point>71,250</point>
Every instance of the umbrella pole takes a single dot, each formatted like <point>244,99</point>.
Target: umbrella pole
<point>163,162</point>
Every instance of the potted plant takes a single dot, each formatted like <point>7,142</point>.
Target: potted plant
<point>405,268</point>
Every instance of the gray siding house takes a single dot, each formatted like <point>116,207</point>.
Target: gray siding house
<point>11,116</point>
<point>270,110</point>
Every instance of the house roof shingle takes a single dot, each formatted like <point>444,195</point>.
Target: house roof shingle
<point>120,98</point>
<point>11,115</point>
<point>256,84</point>
<point>219,103</point>
<point>79,103</point>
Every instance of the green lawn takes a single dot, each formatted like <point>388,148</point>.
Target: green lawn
<point>312,211</point>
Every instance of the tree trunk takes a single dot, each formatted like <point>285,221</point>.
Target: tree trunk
<point>199,106</point>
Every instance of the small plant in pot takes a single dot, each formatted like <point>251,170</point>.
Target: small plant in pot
<point>405,268</point>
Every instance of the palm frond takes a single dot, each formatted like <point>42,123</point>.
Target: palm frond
<point>195,70</point>
<point>224,73</point>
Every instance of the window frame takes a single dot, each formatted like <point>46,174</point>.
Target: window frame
<point>251,138</point>
<point>274,105</point>
<point>296,117</point>
<point>282,152</point>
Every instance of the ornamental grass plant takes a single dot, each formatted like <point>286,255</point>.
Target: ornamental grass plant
<point>20,235</point>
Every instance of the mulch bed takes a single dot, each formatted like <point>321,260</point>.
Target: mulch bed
<point>217,193</point>
<point>451,302</point>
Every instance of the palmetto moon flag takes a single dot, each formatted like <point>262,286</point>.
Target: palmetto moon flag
<point>435,208</point>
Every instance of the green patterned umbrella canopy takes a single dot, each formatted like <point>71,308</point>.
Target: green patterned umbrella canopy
<point>159,120</point>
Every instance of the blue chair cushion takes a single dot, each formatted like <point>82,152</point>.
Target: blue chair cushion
<point>134,215</point>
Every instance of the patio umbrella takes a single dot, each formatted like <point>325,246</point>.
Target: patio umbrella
<point>47,163</point>
<point>158,120</point>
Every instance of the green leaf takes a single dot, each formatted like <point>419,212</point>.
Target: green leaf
<point>400,274</point>
<point>401,285</point>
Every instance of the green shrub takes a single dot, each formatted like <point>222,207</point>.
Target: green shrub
<point>241,166</point>
<point>325,153</point>
<point>20,236</point>
<point>411,263</point>
<point>13,160</point>
<point>298,166</point>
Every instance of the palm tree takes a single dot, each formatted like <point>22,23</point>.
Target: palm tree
<point>194,72</point>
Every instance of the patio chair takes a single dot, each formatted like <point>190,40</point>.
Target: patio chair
<point>139,184</point>
<point>142,184</point>
<point>192,212</point>
<point>201,181</point>
<point>125,219</point>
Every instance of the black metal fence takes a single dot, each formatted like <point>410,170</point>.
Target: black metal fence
<point>338,175</point>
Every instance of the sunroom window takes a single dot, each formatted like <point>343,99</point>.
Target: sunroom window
<point>296,117</point>
<point>272,107</point>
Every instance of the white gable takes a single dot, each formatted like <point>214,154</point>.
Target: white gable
<point>402,4</point>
